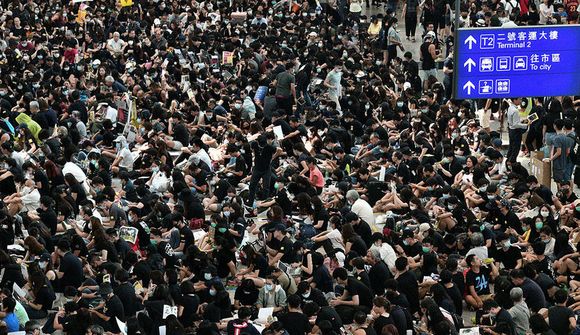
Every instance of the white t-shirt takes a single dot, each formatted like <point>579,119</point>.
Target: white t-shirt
<point>364,211</point>
<point>126,159</point>
<point>335,237</point>
<point>117,46</point>
<point>388,254</point>
<point>30,199</point>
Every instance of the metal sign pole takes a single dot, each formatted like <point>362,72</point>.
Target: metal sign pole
<point>455,46</point>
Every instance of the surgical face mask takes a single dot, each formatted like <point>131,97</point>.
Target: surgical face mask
<point>227,213</point>
<point>42,265</point>
<point>545,213</point>
<point>238,106</point>
<point>490,196</point>
<point>3,93</point>
<point>539,225</point>
<point>450,207</point>
<point>212,292</point>
<point>405,242</point>
<point>454,136</point>
<point>207,276</point>
<point>426,250</point>
<point>524,228</point>
<point>412,208</point>
<point>155,169</point>
<point>284,45</point>
<point>222,230</point>
<point>507,244</point>
<point>367,106</point>
<point>400,104</point>
<point>269,287</point>
<point>482,189</point>
<point>306,294</point>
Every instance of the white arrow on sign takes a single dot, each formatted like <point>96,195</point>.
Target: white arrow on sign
<point>471,41</point>
<point>469,63</point>
<point>469,86</point>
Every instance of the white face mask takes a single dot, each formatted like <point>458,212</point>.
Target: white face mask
<point>545,213</point>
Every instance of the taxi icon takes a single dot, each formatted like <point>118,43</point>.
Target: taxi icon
<point>520,63</point>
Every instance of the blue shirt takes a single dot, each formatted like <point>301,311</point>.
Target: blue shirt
<point>12,322</point>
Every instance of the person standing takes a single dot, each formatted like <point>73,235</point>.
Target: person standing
<point>516,128</point>
<point>428,56</point>
<point>394,39</point>
<point>285,84</point>
<point>332,83</point>
<point>264,153</point>
<point>560,156</point>
<point>410,10</point>
<point>448,75</point>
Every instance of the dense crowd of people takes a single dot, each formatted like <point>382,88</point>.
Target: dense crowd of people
<point>276,168</point>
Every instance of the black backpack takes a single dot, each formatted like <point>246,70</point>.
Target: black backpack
<point>574,154</point>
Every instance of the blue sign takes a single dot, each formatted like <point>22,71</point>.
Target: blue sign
<point>535,61</point>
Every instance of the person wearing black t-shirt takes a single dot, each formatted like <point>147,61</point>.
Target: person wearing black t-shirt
<point>380,314</point>
<point>311,294</point>
<point>326,313</point>
<point>503,322</point>
<point>356,296</point>
<point>533,293</point>
<point>378,273</point>
<point>561,317</point>
<point>510,256</point>
<point>179,132</point>
<point>242,325</point>
<point>113,310</point>
<point>408,284</point>
<point>246,294</point>
<point>283,251</point>
<point>70,271</point>
<point>264,153</point>
<point>295,322</point>
<point>126,292</point>
<point>238,170</point>
<point>226,258</point>
<point>477,281</point>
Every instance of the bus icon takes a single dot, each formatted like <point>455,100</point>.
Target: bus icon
<point>503,63</point>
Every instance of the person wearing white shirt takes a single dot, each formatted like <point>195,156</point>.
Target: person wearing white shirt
<point>360,207</point>
<point>124,159</point>
<point>27,199</point>
<point>546,11</point>
<point>387,252</point>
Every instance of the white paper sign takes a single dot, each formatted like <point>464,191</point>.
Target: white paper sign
<point>382,173</point>
<point>278,132</point>
<point>18,290</point>
<point>169,310</point>
<point>122,326</point>
<point>264,313</point>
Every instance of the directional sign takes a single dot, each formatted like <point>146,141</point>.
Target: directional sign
<point>517,62</point>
